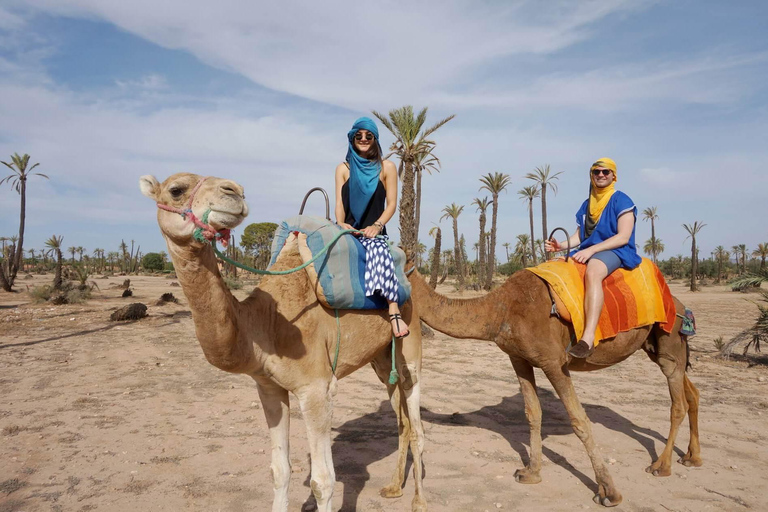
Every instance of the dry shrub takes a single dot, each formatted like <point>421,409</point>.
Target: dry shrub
<point>165,299</point>
<point>127,293</point>
<point>133,311</point>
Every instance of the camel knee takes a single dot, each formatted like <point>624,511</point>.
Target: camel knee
<point>322,486</point>
<point>281,475</point>
<point>409,376</point>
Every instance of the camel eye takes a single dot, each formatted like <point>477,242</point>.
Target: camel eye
<point>176,192</point>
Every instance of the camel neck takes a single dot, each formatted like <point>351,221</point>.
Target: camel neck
<point>480,318</point>
<point>214,308</point>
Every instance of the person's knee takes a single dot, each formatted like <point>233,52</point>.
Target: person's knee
<point>596,272</point>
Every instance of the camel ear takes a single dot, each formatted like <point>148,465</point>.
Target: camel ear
<point>149,186</point>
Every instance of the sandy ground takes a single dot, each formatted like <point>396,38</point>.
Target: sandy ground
<point>97,415</point>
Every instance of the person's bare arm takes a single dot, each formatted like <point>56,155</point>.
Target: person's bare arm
<point>342,174</point>
<point>553,245</point>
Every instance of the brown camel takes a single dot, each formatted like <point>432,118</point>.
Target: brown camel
<point>284,339</point>
<point>517,317</point>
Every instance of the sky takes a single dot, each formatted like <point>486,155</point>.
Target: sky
<point>101,92</point>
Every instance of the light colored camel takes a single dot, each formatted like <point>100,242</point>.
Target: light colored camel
<point>284,339</point>
<point>517,317</point>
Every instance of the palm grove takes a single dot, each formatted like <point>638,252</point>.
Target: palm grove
<point>415,148</point>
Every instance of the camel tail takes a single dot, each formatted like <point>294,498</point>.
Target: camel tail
<point>687,352</point>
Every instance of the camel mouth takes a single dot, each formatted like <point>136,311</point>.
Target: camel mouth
<point>219,220</point>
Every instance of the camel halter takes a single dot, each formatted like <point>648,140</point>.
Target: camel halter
<point>204,232</point>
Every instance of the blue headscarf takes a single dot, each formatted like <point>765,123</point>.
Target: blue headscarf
<point>363,173</point>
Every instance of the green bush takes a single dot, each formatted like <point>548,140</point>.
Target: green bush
<point>507,269</point>
<point>152,261</point>
<point>233,284</point>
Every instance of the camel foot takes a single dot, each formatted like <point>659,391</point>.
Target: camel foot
<point>606,499</point>
<point>527,476</point>
<point>418,504</point>
<point>659,470</point>
<point>391,491</point>
<point>690,461</point>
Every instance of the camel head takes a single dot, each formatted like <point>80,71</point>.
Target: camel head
<point>193,196</point>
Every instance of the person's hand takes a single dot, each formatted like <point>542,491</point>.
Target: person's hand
<point>344,225</point>
<point>583,255</point>
<point>372,231</point>
<point>552,245</point>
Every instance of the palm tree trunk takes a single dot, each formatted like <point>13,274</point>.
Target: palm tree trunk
<point>407,236</point>
<point>543,217</point>
<point>481,247</point>
<point>653,237</point>
<point>417,208</point>
<point>694,264</point>
<point>435,260</point>
<point>492,253</point>
<point>57,274</point>
<point>533,237</point>
<point>457,253</point>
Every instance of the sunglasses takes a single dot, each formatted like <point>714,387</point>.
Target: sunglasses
<point>360,136</point>
<point>604,172</point>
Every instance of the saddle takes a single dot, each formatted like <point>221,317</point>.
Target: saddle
<point>633,298</point>
<point>338,275</point>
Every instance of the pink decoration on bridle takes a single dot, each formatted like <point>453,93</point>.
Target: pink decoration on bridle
<point>207,231</point>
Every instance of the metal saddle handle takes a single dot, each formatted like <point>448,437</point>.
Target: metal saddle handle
<point>327,203</point>
<point>567,240</point>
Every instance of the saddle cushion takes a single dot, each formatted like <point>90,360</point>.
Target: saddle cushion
<point>633,298</point>
<point>338,275</point>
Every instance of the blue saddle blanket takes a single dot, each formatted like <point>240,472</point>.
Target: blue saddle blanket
<point>340,272</point>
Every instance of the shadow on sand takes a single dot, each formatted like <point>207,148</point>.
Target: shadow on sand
<point>365,440</point>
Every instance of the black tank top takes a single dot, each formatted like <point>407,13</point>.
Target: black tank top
<point>372,212</point>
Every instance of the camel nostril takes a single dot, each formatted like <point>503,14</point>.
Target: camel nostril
<point>228,190</point>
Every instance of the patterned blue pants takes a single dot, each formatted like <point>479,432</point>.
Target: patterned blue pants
<point>379,268</point>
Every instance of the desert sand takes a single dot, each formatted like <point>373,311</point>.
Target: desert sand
<point>126,416</point>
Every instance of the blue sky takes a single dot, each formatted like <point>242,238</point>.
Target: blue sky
<point>101,92</point>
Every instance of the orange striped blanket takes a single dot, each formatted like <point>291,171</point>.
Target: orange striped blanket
<point>633,298</point>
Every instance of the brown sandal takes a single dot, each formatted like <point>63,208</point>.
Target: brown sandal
<point>581,350</point>
<point>397,318</point>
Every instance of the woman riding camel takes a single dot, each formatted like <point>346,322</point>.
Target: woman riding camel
<point>606,232</point>
<point>366,199</point>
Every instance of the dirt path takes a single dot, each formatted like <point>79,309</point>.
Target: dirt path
<point>96,415</point>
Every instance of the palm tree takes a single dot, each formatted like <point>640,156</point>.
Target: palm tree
<point>523,248</point>
<point>530,193</point>
<point>410,140</point>
<point>541,176</point>
<point>18,181</point>
<point>482,206</point>
<point>721,256</point>
<point>32,255</point>
<point>453,212</point>
<point>493,183</point>
<point>55,244</point>
<point>72,250</point>
<point>692,230</point>
<point>124,252</point>
<point>736,252</point>
<point>650,214</point>
<point>80,251</point>
<point>653,247</point>
<point>762,253</point>
<point>506,246</point>
<point>743,252</point>
<point>420,250</point>
<point>423,161</point>
<point>112,257</point>
<point>435,265</point>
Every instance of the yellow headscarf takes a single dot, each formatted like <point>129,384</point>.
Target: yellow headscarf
<point>598,198</point>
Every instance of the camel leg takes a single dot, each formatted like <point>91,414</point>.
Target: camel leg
<point>316,402</point>
<point>607,494</point>
<point>382,366</point>
<point>693,457</point>
<point>405,397</point>
<point>274,400</point>
<point>674,370</point>
<point>531,474</point>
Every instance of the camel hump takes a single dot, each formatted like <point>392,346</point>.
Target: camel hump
<point>338,274</point>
